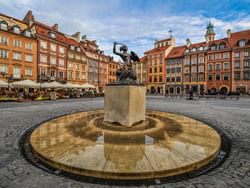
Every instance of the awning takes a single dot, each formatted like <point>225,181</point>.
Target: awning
<point>3,84</point>
<point>25,84</point>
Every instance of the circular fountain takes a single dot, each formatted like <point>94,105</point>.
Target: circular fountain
<point>163,145</point>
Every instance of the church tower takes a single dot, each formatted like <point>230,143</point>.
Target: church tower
<point>210,33</point>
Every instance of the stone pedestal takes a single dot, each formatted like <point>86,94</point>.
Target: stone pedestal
<point>124,104</point>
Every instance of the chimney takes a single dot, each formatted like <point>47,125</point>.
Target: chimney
<point>77,36</point>
<point>29,18</point>
<point>229,33</point>
<point>84,37</point>
<point>188,42</point>
<point>55,27</point>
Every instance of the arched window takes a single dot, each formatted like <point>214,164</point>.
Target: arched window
<point>16,29</point>
<point>4,25</point>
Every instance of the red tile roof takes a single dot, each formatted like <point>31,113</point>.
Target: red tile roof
<point>154,50</point>
<point>197,45</point>
<point>236,36</point>
<point>143,59</point>
<point>176,52</point>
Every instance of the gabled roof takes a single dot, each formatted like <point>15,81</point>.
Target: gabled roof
<point>143,59</point>
<point>236,36</point>
<point>154,50</point>
<point>176,52</point>
<point>44,30</point>
<point>197,45</point>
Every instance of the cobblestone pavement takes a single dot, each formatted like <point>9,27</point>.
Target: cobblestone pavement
<point>232,116</point>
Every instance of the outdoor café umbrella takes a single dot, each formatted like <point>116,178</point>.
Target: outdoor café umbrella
<point>52,85</point>
<point>86,85</point>
<point>70,85</point>
<point>3,84</point>
<point>25,84</point>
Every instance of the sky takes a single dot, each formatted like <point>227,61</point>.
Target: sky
<point>137,23</point>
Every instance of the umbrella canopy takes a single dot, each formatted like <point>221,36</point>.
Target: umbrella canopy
<point>70,85</point>
<point>3,84</point>
<point>52,85</point>
<point>25,84</point>
<point>86,85</point>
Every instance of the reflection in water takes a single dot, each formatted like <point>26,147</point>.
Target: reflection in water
<point>158,145</point>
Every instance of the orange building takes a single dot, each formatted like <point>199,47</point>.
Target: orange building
<point>18,50</point>
<point>76,61</point>
<point>113,67</point>
<point>156,66</point>
<point>52,50</point>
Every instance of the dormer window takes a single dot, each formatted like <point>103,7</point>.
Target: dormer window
<point>242,43</point>
<point>52,35</point>
<point>27,33</point>
<point>222,46</point>
<point>16,30</point>
<point>72,47</point>
<point>213,47</point>
<point>187,50</point>
<point>78,49</point>
<point>193,49</point>
<point>201,48</point>
<point>4,26</point>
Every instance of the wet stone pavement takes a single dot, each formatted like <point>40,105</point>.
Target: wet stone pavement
<point>231,116</point>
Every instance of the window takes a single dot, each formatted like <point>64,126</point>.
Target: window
<point>222,46</point>
<point>178,79</point>
<point>242,43</point>
<point>160,78</point>
<point>213,47</point>
<point>16,30</point>
<point>247,63</point>
<point>53,47</point>
<point>201,60</point>
<point>194,69</point>
<point>78,57</point>
<point>217,67</point>
<point>194,60</point>
<point>3,40</point>
<point>210,77</point>
<point>225,77</point>
<point>43,58</point>
<point>217,56</point>
<point>173,79</point>
<point>52,60</point>
<point>61,62</point>
<point>194,79</point>
<point>16,72</point>
<point>237,75</point>
<point>17,43</point>
<point>4,26</point>
<point>172,70</point>
<point>4,54</point>
<point>193,49</point>
<point>168,79</point>
<point>246,53</point>
<point>217,76</point>
<point>53,73</point>
<point>201,68</point>
<point>210,67</point>
<point>70,65</point>
<point>28,71</point>
<point>43,44</point>
<point>160,69</point>
<point>17,56</point>
<point>237,64</point>
<point>61,50</point>
<point>201,78</point>
<point>77,66</point>
<point>28,57</point>
<point>52,35</point>
<point>178,69</point>
<point>70,74</point>
<point>61,74</point>
<point>155,79</point>
<point>83,68</point>
<point>236,54</point>
<point>77,75</point>
<point>246,75</point>
<point>226,66</point>
<point>28,46</point>
<point>226,55</point>
<point>27,33</point>
<point>150,79</point>
<point>201,48</point>
<point>168,70</point>
<point>211,57</point>
<point>3,69</point>
<point>83,75</point>
<point>70,55</point>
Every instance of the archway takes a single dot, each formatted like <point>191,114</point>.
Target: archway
<point>178,90</point>
<point>158,90</point>
<point>152,90</point>
<point>213,91</point>
<point>223,90</point>
<point>171,90</point>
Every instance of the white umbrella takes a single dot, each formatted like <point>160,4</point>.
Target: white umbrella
<point>70,85</point>
<point>86,85</point>
<point>25,84</point>
<point>3,84</point>
<point>52,85</point>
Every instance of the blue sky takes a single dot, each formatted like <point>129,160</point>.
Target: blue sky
<point>138,23</point>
